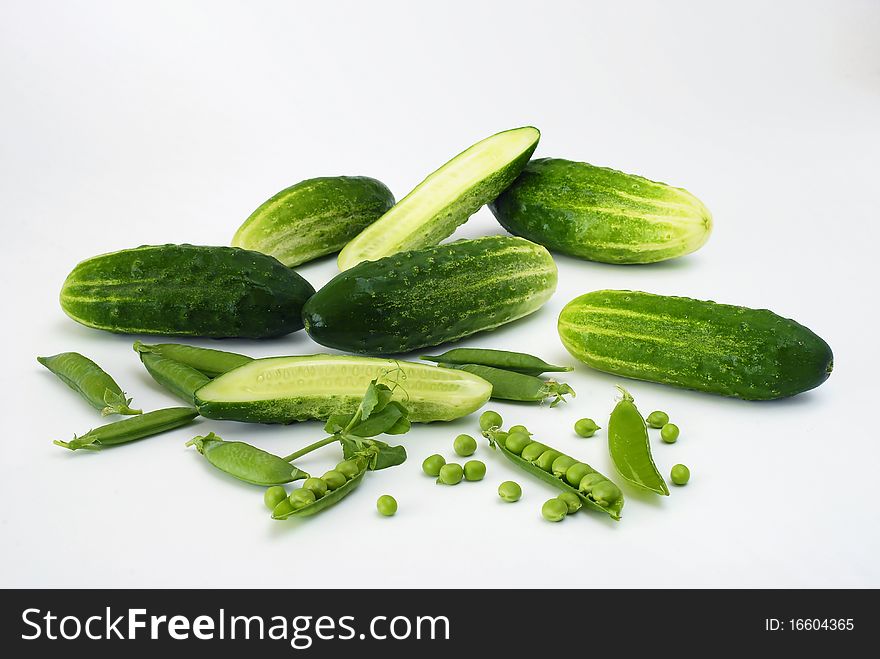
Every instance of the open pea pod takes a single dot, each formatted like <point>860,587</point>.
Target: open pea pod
<point>497,441</point>
<point>284,509</point>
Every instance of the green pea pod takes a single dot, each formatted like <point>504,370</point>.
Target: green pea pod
<point>245,462</point>
<point>630,449</point>
<point>208,361</point>
<point>90,381</point>
<point>508,385</point>
<point>284,510</point>
<point>496,440</point>
<point>504,359</point>
<point>178,378</point>
<point>128,430</point>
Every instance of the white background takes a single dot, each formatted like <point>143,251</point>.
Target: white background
<point>132,123</point>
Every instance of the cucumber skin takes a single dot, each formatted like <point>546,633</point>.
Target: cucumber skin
<point>746,353</point>
<point>443,224</point>
<point>314,217</point>
<point>186,290</point>
<point>601,214</point>
<point>423,298</point>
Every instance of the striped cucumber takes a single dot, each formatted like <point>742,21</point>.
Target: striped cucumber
<point>601,214</point>
<point>286,389</point>
<point>314,217</point>
<point>733,351</point>
<point>427,297</point>
<point>186,290</point>
<point>444,200</point>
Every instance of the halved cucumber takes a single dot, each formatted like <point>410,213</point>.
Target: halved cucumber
<point>286,389</point>
<point>445,199</point>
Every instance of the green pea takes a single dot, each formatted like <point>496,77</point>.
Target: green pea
<point>450,474</point>
<point>334,479</point>
<point>657,419</point>
<point>283,508</point>
<point>680,474</point>
<point>669,433</point>
<point>464,445</point>
<point>516,442</point>
<point>605,493</point>
<point>474,470</point>
<point>273,496</point>
<point>301,498</point>
<point>490,419</point>
<point>561,464</point>
<point>589,481</point>
<point>585,427</point>
<point>510,491</point>
<point>432,465</point>
<point>572,500</point>
<point>519,428</point>
<point>348,468</point>
<point>317,485</point>
<point>575,473</point>
<point>546,459</point>
<point>554,510</point>
<point>533,451</point>
<point>386,505</point>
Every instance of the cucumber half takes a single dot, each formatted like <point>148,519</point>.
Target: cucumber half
<point>287,389</point>
<point>444,200</point>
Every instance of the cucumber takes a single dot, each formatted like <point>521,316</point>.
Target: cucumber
<point>287,389</point>
<point>427,297</point>
<point>601,214</point>
<point>314,217</point>
<point>722,349</point>
<point>186,290</point>
<point>444,200</point>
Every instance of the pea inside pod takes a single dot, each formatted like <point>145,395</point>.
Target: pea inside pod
<point>519,362</point>
<point>284,510</point>
<point>90,381</point>
<point>629,447</point>
<point>509,385</point>
<point>245,462</point>
<point>135,427</point>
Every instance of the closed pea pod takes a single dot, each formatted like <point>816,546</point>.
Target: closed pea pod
<point>245,462</point>
<point>180,379</point>
<point>90,381</point>
<point>629,447</point>
<point>208,361</point>
<point>508,385</point>
<point>519,362</point>
<point>131,429</point>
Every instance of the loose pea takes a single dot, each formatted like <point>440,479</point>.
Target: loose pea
<point>561,464</point>
<point>348,468</point>
<point>334,479</point>
<point>669,433</point>
<point>576,472</point>
<point>317,485</point>
<point>386,505</point>
<point>605,493</point>
<point>474,470</point>
<point>554,510</point>
<point>585,427</point>
<point>680,474</point>
<point>546,459</point>
<point>450,474</point>
<point>519,428</point>
<point>516,442</point>
<point>510,491</point>
<point>490,419</point>
<point>301,498</point>
<point>572,500</point>
<point>432,465</point>
<point>464,445</point>
<point>657,419</point>
<point>590,481</point>
<point>273,496</point>
<point>533,451</point>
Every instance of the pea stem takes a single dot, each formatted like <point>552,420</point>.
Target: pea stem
<point>311,447</point>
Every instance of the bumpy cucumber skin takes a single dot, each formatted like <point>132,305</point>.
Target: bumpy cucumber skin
<point>430,393</point>
<point>601,214</point>
<point>186,290</point>
<point>441,225</point>
<point>314,218</point>
<point>718,348</point>
<point>427,297</point>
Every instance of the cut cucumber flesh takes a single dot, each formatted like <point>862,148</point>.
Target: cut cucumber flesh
<point>444,200</point>
<point>286,389</point>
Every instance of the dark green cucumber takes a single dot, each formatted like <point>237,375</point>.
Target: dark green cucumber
<point>313,218</point>
<point>733,351</point>
<point>186,290</point>
<point>448,197</point>
<point>601,214</point>
<point>424,298</point>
